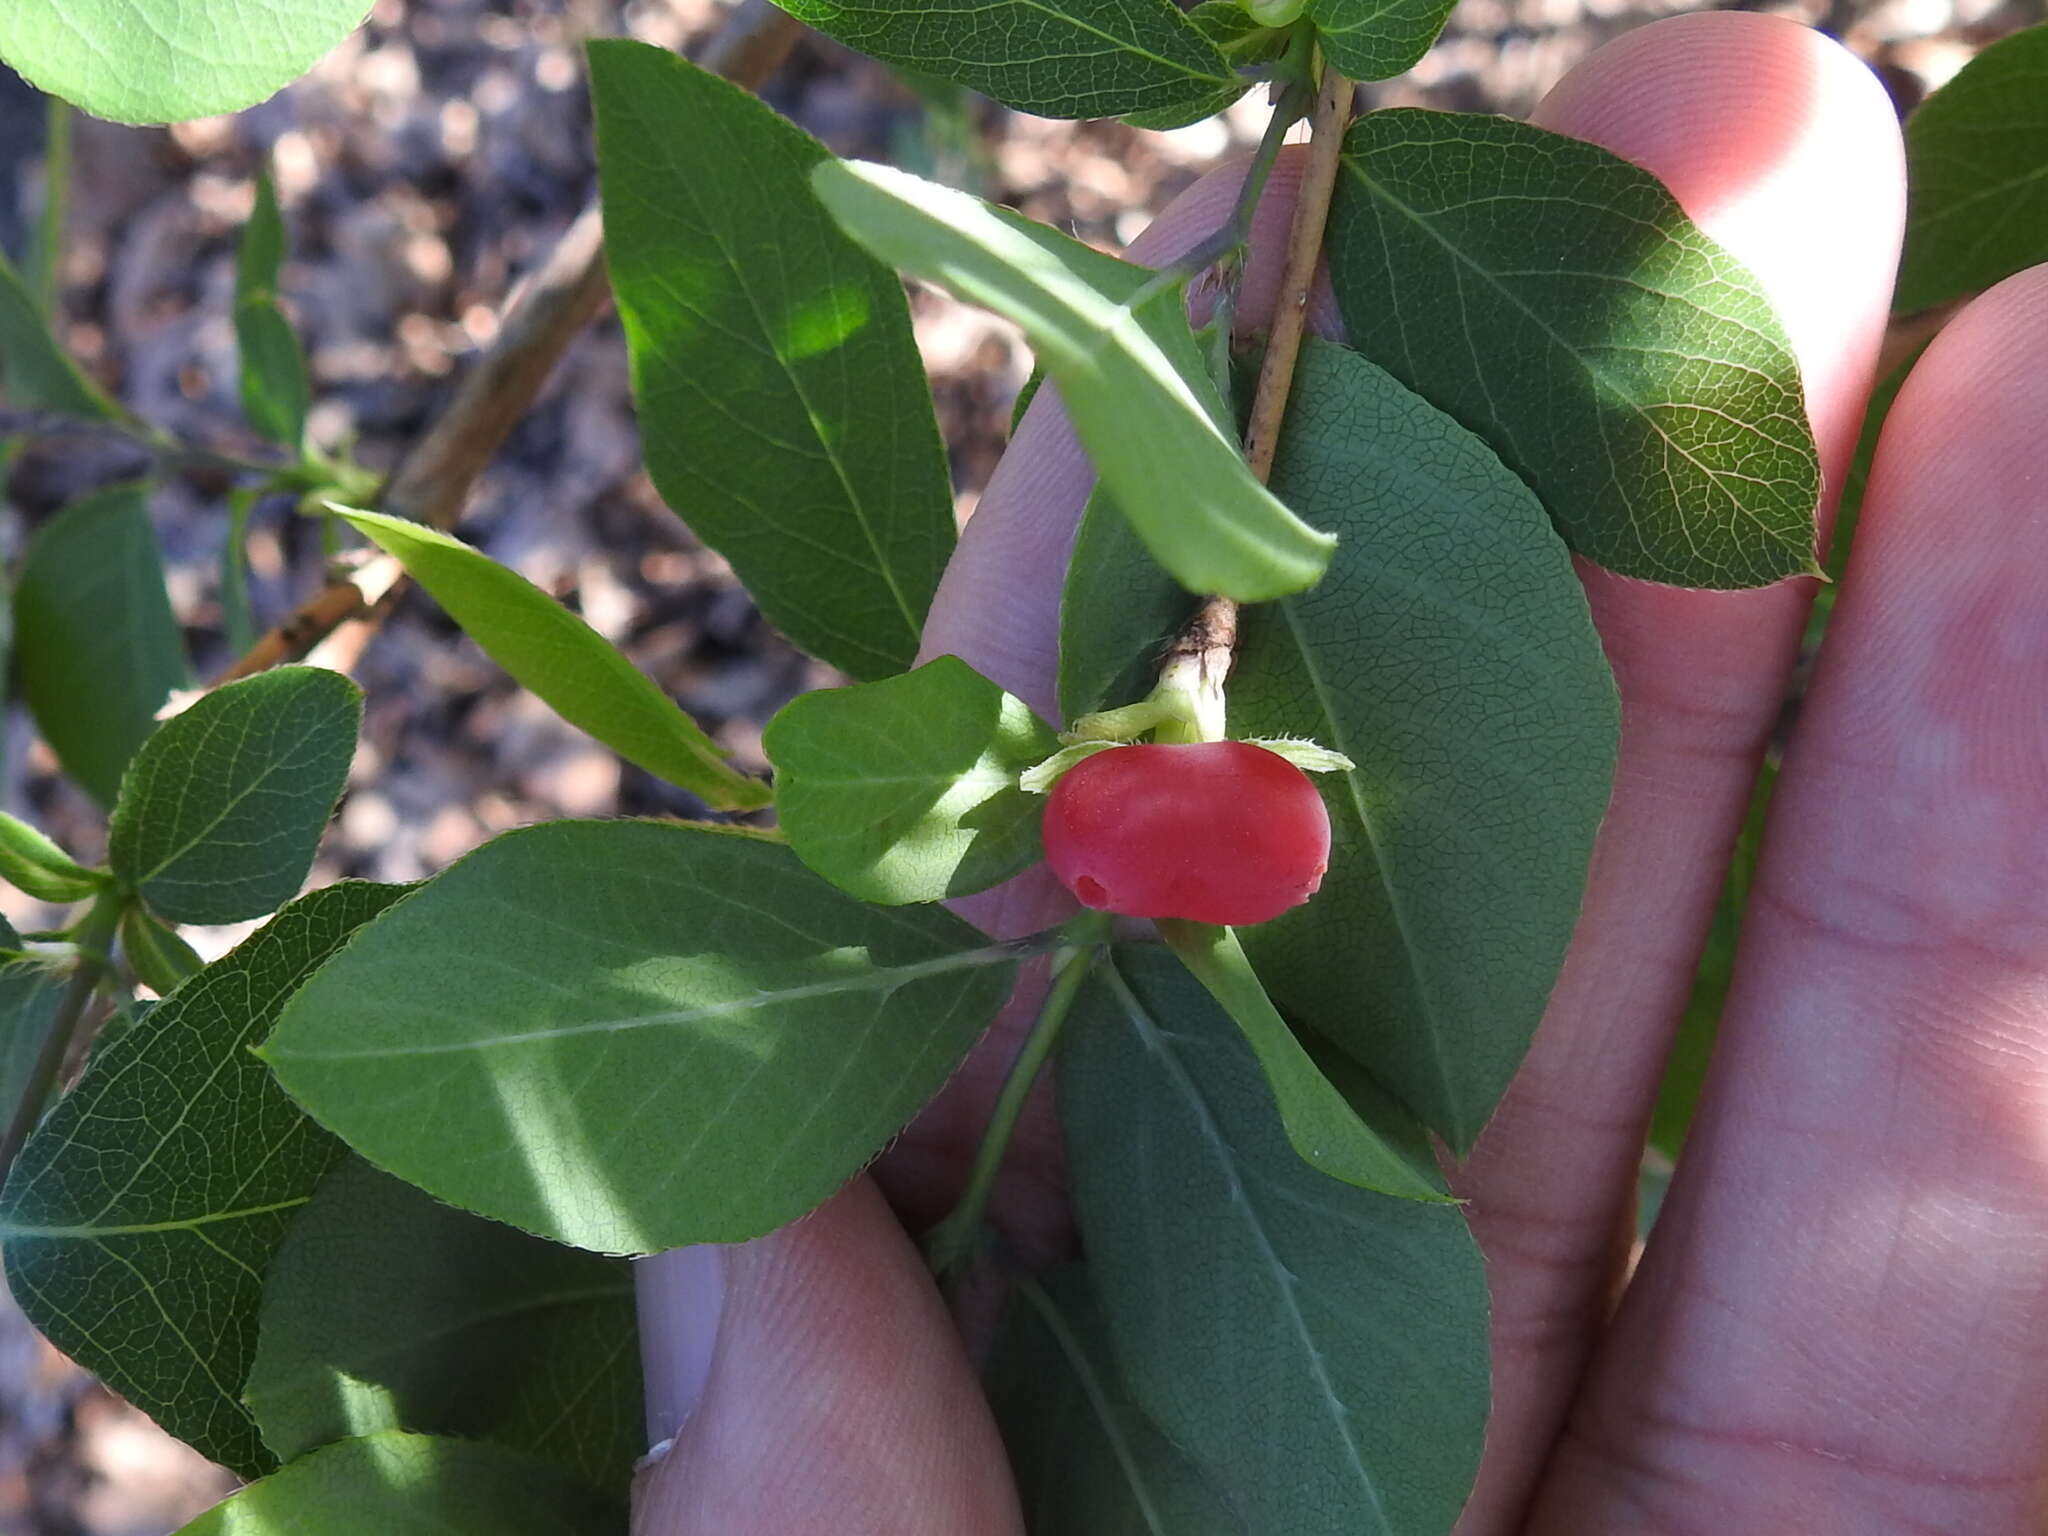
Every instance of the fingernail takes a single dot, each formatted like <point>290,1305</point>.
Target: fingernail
<point>682,1296</point>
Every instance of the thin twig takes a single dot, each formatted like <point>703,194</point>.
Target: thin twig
<point>55,426</point>
<point>1199,659</point>
<point>546,313</point>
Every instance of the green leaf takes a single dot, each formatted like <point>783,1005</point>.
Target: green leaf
<point>629,1035</point>
<point>97,649</point>
<point>1243,42</point>
<point>386,1309</point>
<point>906,790</point>
<point>1555,299</point>
<point>1377,39</point>
<point>1057,58</point>
<point>1117,613</point>
<point>413,1485</point>
<point>1317,1350</point>
<point>1977,175</point>
<point>276,392</point>
<point>222,810</point>
<point>36,373</point>
<point>158,956</point>
<point>259,264</point>
<point>1086,1459</point>
<point>1320,1123</point>
<point>141,1215</point>
<point>784,409</point>
<point>1452,658</point>
<point>30,992</point>
<point>163,61</point>
<point>1131,375</point>
<point>30,862</point>
<point>581,675</point>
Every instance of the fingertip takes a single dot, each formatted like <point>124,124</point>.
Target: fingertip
<point>1784,147</point>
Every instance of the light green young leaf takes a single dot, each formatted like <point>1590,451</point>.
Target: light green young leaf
<point>141,1215</point>
<point>580,674</point>
<point>1554,298</point>
<point>1377,39</point>
<point>30,862</point>
<point>629,1036</point>
<point>97,650</point>
<point>906,790</point>
<point>1452,658</point>
<point>783,406</point>
<point>1318,1351</point>
<point>155,952</point>
<point>163,61</point>
<point>1977,175</point>
<point>36,373</point>
<point>1132,377</point>
<point>386,1309</point>
<point>222,810</point>
<point>413,1485</point>
<point>1117,613</point>
<point>1086,1459</point>
<point>1057,58</point>
<point>1392,1156</point>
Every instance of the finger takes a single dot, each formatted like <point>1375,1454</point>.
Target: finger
<point>820,1388</point>
<point>1783,147</point>
<point>1842,1324</point>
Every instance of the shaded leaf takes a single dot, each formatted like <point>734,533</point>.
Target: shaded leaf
<point>1117,613</point>
<point>1554,298</point>
<point>906,790</point>
<point>1057,58</point>
<point>783,406</point>
<point>1387,1152</point>
<point>386,1309</point>
<point>30,862</point>
<point>1242,41</point>
<point>36,373</point>
<point>162,61</point>
<point>1132,378</point>
<point>222,810</point>
<point>413,1485</point>
<point>1318,1351</point>
<point>141,1215</point>
<point>30,993</point>
<point>630,1035</point>
<point>276,391</point>
<point>97,650</point>
<point>586,679</point>
<point>1452,658</point>
<point>238,621</point>
<point>1377,39</point>
<point>1977,175</point>
<point>1086,1459</point>
<point>259,262</point>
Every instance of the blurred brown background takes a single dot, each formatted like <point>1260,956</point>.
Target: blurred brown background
<point>426,164</point>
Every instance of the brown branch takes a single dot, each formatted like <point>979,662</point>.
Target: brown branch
<point>1199,659</point>
<point>547,312</point>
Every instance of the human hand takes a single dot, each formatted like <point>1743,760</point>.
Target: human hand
<point>1841,1322</point>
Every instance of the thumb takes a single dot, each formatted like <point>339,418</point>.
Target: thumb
<point>810,1382</point>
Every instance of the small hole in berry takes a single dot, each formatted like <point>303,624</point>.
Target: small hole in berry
<point>1092,892</point>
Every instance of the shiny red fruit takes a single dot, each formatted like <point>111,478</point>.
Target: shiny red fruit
<point>1215,832</point>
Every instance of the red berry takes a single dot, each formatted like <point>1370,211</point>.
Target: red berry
<point>1215,831</point>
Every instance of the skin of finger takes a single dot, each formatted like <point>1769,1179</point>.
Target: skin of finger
<point>1785,149</point>
<point>838,1401</point>
<point>1841,1325</point>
